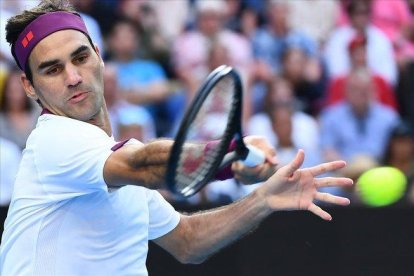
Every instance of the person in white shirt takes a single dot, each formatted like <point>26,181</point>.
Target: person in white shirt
<point>84,204</point>
<point>380,53</point>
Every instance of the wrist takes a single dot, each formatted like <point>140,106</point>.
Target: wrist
<point>262,202</point>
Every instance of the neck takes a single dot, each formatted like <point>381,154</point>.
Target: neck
<point>101,120</point>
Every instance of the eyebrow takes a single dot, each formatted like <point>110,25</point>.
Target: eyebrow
<point>48,63</point>
<point>79,50</point>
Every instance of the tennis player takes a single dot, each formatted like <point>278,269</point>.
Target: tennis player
<point>84,204</point>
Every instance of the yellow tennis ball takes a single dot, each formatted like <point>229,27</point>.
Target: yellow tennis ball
<point>381,186</point>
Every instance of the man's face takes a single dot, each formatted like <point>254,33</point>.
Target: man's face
<point>360,17</point>
<point>67,75</point>
<point>359,93</point>
<point>209,22</point>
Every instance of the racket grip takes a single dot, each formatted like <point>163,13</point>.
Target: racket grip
<point>254,157</point>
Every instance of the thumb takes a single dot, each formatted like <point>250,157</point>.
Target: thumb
<point>295,164</point>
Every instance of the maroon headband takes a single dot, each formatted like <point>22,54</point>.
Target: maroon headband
<point>40,28</point>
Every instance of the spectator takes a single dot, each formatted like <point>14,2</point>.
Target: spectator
<point>191,49</point>
<point>135,122</point>
<point>304,132</point>
<point>399,153</point>
<point>18,114</point>
<point>153,44</point>
<point>306,77</point>
<point>383,92</point>
<point>123,114</point>
<point>359,125</point>
<point>249,23</point>
<point>142,82</point>
<point>271,41</point>
<point>285,127</point>
<point>172,17</point>
<point>91,23</point>
<point>7,10</point>
<point>380,53</point>
<point>99,10</point>
<point>391,17</point>
<point>305,15</point>
<point>10,155</point>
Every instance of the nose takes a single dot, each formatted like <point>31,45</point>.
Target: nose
<point>73,78</point>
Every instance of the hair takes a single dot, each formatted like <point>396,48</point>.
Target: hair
<point>16,24</point>
<point>353,5</point>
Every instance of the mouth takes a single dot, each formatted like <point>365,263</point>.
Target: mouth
<point>78,96</point>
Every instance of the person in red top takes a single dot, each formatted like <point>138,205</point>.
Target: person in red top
<point>357,53</point>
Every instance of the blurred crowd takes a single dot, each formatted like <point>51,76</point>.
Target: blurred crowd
<point>335,78</point>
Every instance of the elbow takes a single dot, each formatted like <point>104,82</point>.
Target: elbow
<point>191,259</point>
<point>188,254</point>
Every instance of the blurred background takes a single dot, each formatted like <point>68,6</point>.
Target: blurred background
<point>333,77</point>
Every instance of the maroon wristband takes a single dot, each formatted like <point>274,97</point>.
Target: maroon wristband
<point>226,172</point>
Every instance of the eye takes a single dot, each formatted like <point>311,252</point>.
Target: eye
<point>81,59</point>
<point>53,71</point>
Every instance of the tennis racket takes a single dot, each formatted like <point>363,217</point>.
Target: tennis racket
<point>214,114</point>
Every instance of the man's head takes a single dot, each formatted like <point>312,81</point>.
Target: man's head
<point>210,16</point>
<point>63,70</point>
<point>359,12</point>
<point>278,14</point>
<point>123,40</point>
<point>359,90</point>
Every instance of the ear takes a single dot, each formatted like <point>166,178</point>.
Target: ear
<point>28,87</point>
<point>98,52</point>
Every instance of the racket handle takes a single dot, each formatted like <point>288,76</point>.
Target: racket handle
<point>254,157</point>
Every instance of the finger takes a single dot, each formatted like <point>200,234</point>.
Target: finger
<point>328,198</point>
<point>295,164</point>
<point>333,182</point>
<point>319,212</point>
<point>327,167</point>
<point>272,159</point>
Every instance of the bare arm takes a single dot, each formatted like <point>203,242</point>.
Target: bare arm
<point>145,165</point>
<point>290,188</point>
<point>200,235</point>
<point>142,165</point>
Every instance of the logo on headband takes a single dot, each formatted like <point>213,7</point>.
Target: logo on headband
<point>27,39</point>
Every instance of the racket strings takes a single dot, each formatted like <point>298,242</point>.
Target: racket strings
<point>188,179</point>
<point>210,123</point>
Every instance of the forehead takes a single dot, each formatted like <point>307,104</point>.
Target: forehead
<point>58,45</point>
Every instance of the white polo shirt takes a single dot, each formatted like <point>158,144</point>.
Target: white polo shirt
<point>63,220</point>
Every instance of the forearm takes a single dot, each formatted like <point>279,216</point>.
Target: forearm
<point>213,230</point>
<point>142,165</point>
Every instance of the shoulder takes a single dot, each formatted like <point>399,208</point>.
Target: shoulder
<point>375,33</point>
<point>58,127</point>
<point>385,111</point>
<point>335,111</point>
<point>305,119</point>
<point>262,34</point>
<point>65,134</point>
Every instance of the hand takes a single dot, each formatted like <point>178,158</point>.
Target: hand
<point>251,175</point>
<point>291,188</point>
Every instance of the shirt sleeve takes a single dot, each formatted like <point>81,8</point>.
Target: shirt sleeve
<point>69,158</point>
<point>162,216</point>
